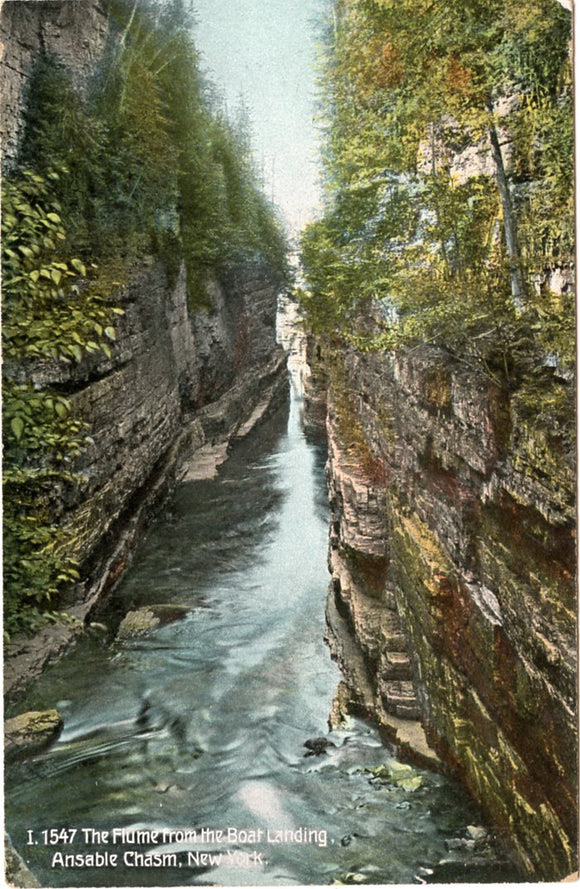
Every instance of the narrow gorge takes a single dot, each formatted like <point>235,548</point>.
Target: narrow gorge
<point>289,522</point>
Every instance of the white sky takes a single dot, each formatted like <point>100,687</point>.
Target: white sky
<point>264,50</point>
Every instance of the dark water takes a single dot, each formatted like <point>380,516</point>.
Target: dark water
<point>232,693</point>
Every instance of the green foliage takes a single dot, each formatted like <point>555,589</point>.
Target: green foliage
<point>51,312</point>
<point>406,250</point>
<point>545,140</point>
<point>50,309</point>
<point>141,162</point>
<point>151,164</point>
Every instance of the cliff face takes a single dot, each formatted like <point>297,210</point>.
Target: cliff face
<point>74,33</point>
<point>176,381</point>
<point>177,385</point>
<point>452,556</point>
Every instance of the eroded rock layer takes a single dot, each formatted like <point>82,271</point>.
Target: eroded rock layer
<point>452,554</point>
<point>178,387</point>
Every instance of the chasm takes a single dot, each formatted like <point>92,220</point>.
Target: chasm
<point>199,753</point>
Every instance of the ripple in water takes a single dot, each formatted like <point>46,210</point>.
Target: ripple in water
<point>201,725</point>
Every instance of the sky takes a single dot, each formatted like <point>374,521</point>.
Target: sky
<point>266,52</point>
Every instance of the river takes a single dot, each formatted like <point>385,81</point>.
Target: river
<point>194,735</point>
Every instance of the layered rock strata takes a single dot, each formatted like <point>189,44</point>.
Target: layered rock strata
<point>178,384</point>
<point>452,553</point>
<point>364,630</point>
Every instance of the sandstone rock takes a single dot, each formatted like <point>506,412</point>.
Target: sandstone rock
<point>144,620</point>
<point>399,698</point>
<point>360,505</point>
<point>98,628</point>
<point>314,383</point>
<point>398,774</point>
<point>137,623</point>
<point>204,464</point>
<point>479,834</point>
<point>31,731</point>
<point>477,617</point>
<point>339,709</point>
<point>352,878</point>
<point>26,658</point>
<point>72,33</point>
<point>175,382</point>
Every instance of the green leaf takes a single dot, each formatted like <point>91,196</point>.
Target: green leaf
<point>17,426</point>
<point>79,266</point>
<point>110,333</point>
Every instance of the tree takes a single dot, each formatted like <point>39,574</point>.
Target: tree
<point>142,164</point>
<point>406,87</point>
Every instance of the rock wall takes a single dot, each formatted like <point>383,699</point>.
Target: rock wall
<point>177,385</point>
<point>73,32</point>
<point>452,554</point>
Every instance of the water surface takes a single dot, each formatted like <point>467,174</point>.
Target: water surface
<point>201,725</point>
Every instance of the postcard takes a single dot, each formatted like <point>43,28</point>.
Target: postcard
<point>289,413</point>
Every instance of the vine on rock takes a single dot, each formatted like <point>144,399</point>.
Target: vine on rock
<point>52,312</point>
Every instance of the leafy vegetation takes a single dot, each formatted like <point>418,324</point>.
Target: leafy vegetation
<point>143,162</point>
<point>52,312</point>
<point>154,163</point>
<point>410,246</point>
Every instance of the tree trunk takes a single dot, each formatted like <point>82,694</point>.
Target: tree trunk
<point>509,221</point>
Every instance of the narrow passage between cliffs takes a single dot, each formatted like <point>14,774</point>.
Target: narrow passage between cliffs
<point>199,752</point>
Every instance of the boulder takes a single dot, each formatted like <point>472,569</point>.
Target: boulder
<point>143,620</point>
<point>31,731</point>
<point>317,746</point>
